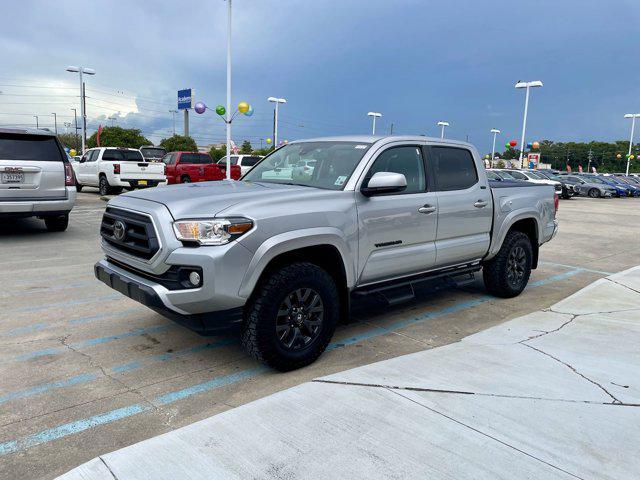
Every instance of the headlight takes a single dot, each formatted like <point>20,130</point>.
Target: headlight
<point>211,232</point>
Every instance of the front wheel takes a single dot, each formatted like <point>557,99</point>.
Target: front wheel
<point>292,317</point>
<point>594,193</point>
<point>506,274</point>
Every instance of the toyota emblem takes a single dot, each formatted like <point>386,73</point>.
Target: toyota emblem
<point>119,230</point>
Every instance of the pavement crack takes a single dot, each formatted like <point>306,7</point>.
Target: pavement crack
<point>547,332</point>
<point>622,285</point>
<point>487,435</point>
<point>108,468</point>
<point>574,370</point>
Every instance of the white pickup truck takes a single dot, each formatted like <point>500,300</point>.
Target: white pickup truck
<point>111,169</point>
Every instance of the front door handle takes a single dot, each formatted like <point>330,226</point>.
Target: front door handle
<point>480,204</point>
<point>427,209</point>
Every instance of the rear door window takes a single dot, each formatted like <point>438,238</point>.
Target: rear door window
<point>250,161</point>
<point>110,155</point>
<point>454,168</point>
<point>40,148</point>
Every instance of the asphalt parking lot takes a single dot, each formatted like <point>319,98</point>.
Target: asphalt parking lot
<point>84,370</point>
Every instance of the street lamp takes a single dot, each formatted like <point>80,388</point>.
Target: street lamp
<point>633,117</point>
<point>55,122</point>
<point>83,115</point>
<point>527,85</point>
<point>493,148</point>
<point>374,115</point>
<point>173,113</point>
<point>277,101</point>
<point>442,125</point>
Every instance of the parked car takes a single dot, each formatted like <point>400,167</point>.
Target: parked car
<point>567,188</point>
<point>621,190</point>
<point>533,177</point>
<point>491,175</point>
<point>245,162</point>
<point>153,154</point>
<point>586,188</point>
<point>188,167</point>
<point>111,169</point>
<point>281,257</point>
<point>504,174</point>
<point>36,177</point>
<point>633,188</point>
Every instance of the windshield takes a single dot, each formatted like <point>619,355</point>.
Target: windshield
<point>314,164</point>
<point>153,152</point>
<point>505,175</point>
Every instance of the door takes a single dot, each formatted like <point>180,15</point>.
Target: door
<point>397,231</point>
<point>91,168</point>
<point>465,206</point>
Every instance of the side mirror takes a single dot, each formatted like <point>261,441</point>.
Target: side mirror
<point>82,160</point>
<point>384,182</point>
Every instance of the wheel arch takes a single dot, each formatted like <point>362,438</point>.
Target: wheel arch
<point>526,223</point>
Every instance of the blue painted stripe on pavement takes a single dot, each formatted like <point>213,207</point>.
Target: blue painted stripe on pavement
<point>68,303</point>
<point>575,267</point>
<point>84,424</point>
<point>45,387</point>
<point>50,289</point>
<point>557,278</point>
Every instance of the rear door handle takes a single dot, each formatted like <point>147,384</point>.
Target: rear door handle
<point>427,209</point>
<point>480,204</point>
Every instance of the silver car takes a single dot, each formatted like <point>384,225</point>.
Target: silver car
<point>586,188</point>
<point>36,177</point>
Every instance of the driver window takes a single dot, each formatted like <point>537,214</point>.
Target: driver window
<point>405,160</point>
<point>92,156</point>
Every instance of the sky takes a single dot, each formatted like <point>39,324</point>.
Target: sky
<point>416,62</point>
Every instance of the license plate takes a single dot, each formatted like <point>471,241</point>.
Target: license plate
<point>142,182</point>
<point>13,178</point>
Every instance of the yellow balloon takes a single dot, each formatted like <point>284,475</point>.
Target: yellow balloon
<point>631,157</point>
<point>72,152</point>
<point>268,140</point>
<point>243,107</point>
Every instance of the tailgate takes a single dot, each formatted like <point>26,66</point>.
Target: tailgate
<point>31,168</point>
<point>141,171</point>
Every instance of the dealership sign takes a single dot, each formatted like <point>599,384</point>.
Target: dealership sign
<point>534,160</point>
<point>185,99</point>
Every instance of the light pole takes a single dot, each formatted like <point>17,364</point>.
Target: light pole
<point>527,85</point>
<point>37,126</point>
<point>633,117</point>
<point>374,115</point>
<point>83,114</point>
<point>495,132</point>
<point>75,121</point>
<point>277,101</point>
<point>443,125</point>
<point>173,113</point>
<point>55,122</point>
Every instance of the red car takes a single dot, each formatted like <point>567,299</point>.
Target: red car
<point>187,167</point>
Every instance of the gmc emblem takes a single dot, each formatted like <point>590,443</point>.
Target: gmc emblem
<point>12,169</point>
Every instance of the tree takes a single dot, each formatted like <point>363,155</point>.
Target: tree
<point>246,147</point>
<point>118,137</point>
<point>263,151</point>
<point>218,153</point>
<point>70,140</point>
<point>179,143</point>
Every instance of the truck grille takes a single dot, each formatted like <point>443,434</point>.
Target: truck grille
<point>129,232</point>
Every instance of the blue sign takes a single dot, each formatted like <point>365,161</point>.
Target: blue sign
<point>185,99</point>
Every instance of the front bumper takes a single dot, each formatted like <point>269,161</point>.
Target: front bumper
<point>158,298</point>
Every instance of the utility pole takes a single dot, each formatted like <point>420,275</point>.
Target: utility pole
<point>75,121</point>
<point>391,129</point>
<point>84,117</point>
<point>55,122</point>
<point>173,114</point>
<point>37,126</point>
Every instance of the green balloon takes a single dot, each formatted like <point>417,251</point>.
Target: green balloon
<point>507,145</point>
<point>220,110</point>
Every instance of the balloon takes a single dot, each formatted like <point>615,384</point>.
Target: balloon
<point>268,141</point>
<point>513,143</point>
<point>507,145</point>
<point>72,152</point>
<point>536,145</point>
<point>619,156</point>
<point>220,110</point>
<point>487,156</point>
<point>631,157</point>
<point>200,107</point>
<point>243,107</point>
<point>249,112</point>
<point>529,146</point>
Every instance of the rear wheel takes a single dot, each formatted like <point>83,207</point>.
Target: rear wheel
<point>594,193</point>
<point>185,179</point>
<point>507,274</point>
<point>292,317</point>
<point>57,224</point>
<point>103,186</point>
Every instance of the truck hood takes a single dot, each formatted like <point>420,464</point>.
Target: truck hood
<point>206,199</point>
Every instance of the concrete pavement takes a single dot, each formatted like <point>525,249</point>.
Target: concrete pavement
<point>553,394</point>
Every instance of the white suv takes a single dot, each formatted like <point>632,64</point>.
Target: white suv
<point>245,162</point>
<point>111,169</point>
<point>36,178</point>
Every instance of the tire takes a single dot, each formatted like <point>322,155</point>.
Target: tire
<point>185,179</point>
<point>78,187</point>
<point>507,274</point>
<point>57,224</point>
<point>116,190</point>
<point>266,332</point>
<point>594,193</point>
<point>103,186</point>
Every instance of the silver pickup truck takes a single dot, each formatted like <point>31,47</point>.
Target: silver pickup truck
<point>281,252</point>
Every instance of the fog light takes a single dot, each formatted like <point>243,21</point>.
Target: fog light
<point>194,278</point>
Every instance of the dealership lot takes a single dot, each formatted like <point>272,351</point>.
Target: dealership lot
<point>85,371</point>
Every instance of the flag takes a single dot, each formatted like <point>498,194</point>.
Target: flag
<point>579,168</point>
<point>98,136</point>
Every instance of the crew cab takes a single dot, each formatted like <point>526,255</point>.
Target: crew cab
<point>188,167</point>
<point>282,258</point>
<point>111,169</point>
<point>152,153</point>
<point>36,177</point>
